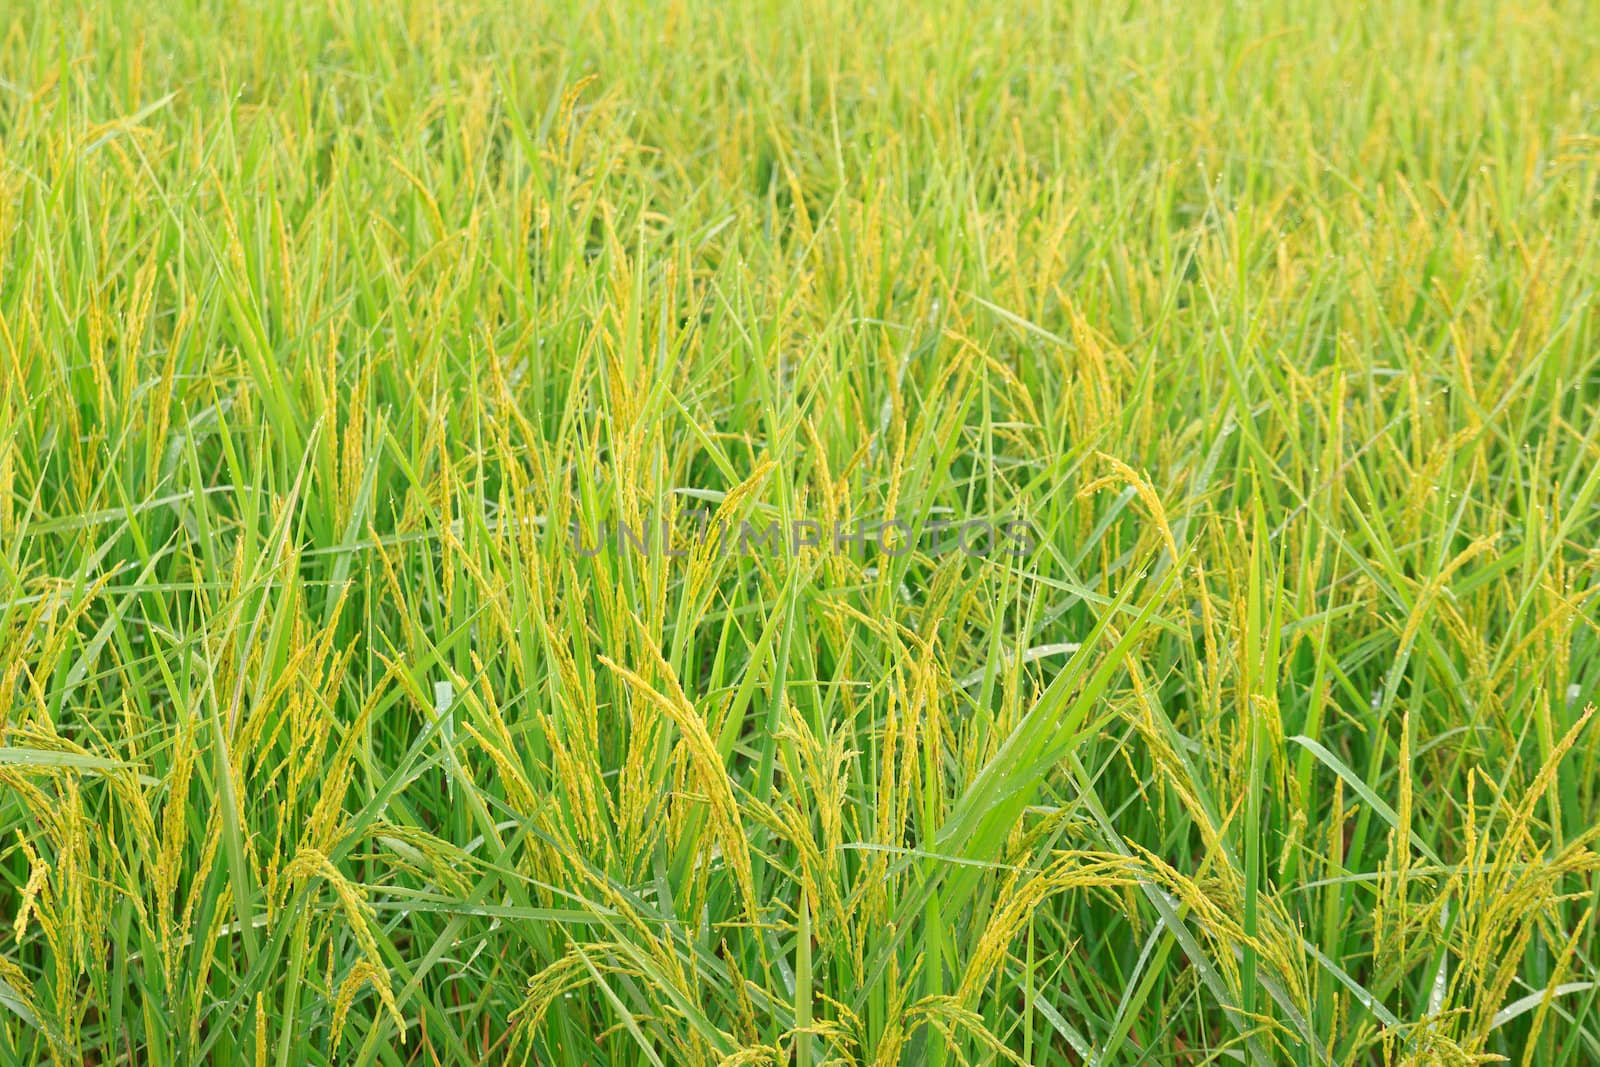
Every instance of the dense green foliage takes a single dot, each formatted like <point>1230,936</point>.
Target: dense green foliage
<point>320,323</point>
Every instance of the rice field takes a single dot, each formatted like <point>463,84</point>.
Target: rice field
<point>799,534</point>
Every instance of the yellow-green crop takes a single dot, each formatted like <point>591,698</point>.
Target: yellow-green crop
<point>323,322</point>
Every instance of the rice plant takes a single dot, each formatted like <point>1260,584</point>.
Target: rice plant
<point>814,533</point>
